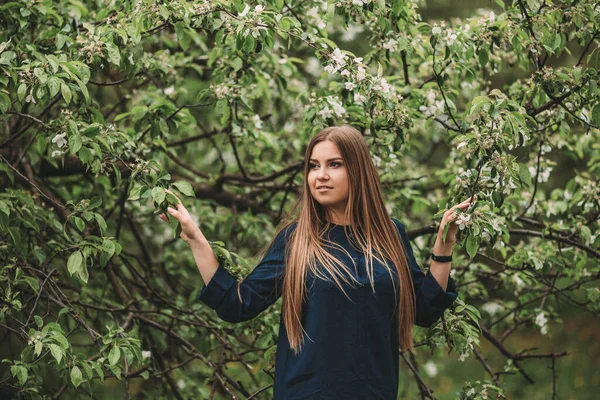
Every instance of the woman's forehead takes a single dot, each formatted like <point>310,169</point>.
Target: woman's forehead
<point>325,150</point>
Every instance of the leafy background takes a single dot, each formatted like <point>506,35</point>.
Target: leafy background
<point>106,103</point>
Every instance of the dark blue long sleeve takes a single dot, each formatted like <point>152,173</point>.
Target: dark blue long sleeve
<point>260,289</point>
<point>350,346</point>
<point>432,300</point>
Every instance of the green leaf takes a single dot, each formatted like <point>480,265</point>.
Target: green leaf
<point>483,57</point>
<point>76,376</point>
<point>525,175</point>
<point>84,90</point>
<point>237,64</point>
<point>134,194</point>
<point>74,143</point>
<point>79,223</point>
<point>21,91</point>
<point>66,92</point>
<point>53,85</point>
<point>249,44</point>
<point>108,246</point>
<point>113,53</point>
<point>89,372</point>
<point>472,245</point>
<point>185,188</point>
<point>32,282</point>
<point>4,208</point>
<point>74,264</point>
<point>56,351</point>
<point>98,370</point>
<point>114,356</point>
<point>108,249</point>
<point>596,115</point>
<point>20,372</point>
<point>38,348</point>
<point>4,103</point>
<point>267,354</point>
<point>101,222</point>
<point>158,195</point>
<point>84,274</point>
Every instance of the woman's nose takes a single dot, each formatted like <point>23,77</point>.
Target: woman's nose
<point>322,174</point>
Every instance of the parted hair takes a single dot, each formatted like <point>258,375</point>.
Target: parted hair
<point>368,220</point>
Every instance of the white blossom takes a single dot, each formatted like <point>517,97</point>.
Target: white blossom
<point>382,86</point>
<point>498,245</point>
<point>60,140</point>
<point>350,85</point>
<point>492,308</point>
<point>432,106</point>
<point>337,108</point>
<point>257,121</point>
<point>146,354</point>
<point>361,74</point>
<point>518,281</point>
<point>541,321</point>
<point>359,98</point>
<point>345,73</point>
<point>258,9</point>
<point>315,13</point>
<point>430,368</point>
<point>338,57</point>
<point>243,13</point>
<point>325,112</point>
<point>463,221</point>
<point>57,153</point>
<point>450,38</point>
<point>169,91</point>
<point>313,66</point>
<point>351,32</point>
<point>486,235</point>
<point>546,149</point>
<point>436,30</point>
<point>331,69</point>
<point>256,31</point>
<point>390,44</point>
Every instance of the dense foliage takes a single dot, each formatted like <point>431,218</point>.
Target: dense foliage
<point>105,103</point>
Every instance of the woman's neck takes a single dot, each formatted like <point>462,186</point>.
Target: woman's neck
<point>336,218</point>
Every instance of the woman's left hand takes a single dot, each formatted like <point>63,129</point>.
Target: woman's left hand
<point>445,247</point>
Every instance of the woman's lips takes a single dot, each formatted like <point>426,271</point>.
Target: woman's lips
<point>324,189</point>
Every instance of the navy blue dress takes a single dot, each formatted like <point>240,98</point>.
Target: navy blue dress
<point>351,351</point>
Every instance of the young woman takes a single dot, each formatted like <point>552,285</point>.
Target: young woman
<point>352,289</point>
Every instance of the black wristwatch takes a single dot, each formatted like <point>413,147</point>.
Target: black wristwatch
<point>441,258</point>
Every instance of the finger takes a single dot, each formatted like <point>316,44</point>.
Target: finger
<point>174,212</point>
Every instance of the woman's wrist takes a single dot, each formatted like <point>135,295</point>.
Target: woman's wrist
<point>442,249</point>
<point>199,243</point>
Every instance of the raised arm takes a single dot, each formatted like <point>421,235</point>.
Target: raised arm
<point>432,300</point>
<point>260,289</point>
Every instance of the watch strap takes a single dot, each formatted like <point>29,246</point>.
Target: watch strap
<point>441,258</point>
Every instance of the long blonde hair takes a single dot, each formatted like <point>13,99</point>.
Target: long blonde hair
<point>378,236</point>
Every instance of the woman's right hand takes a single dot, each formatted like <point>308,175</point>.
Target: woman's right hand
<point>190,232</point>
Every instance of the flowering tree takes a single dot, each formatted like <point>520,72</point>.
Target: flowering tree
<point>105,104</point>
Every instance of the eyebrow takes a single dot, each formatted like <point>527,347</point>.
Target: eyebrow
<point>331,159</point>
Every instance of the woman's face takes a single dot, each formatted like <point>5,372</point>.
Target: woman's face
<point>328,177</point>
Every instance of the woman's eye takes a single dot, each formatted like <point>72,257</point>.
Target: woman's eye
<point>335,163</point>
<point>313,165</point>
